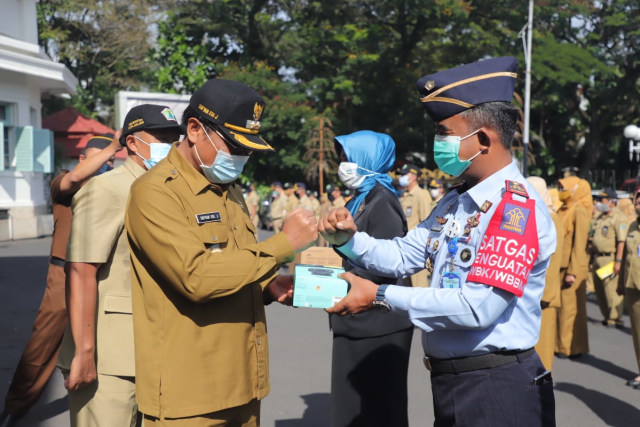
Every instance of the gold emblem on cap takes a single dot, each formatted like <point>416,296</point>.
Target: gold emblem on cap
<point>257,111</point>
<point>430,84</point>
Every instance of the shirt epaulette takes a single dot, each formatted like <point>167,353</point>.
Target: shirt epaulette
<point>516,188</point>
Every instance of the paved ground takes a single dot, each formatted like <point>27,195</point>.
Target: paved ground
<point>589,392</point>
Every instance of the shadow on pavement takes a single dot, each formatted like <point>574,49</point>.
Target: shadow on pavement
<point>45,412</point>
<point>611,411</point>
<point>606,366</point>
<point>316,414</point>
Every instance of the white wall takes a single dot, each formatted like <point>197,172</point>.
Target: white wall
<point>19,20</point>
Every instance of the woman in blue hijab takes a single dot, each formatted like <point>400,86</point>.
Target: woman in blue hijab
<point>370,356</point>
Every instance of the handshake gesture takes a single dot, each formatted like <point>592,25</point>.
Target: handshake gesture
<point>301,227</point>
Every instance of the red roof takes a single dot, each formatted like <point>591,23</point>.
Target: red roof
<point>72,130</point>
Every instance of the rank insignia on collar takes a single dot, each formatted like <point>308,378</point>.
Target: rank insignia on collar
<point>441,220</point>
<point>474,220</point>
<point>436,245</point>
<point>429,265</point>
<point>486,206</point>
<point>516,188</point>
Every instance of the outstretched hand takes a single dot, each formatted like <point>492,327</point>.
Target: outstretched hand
<point>361,295</point>
<point>338,226</point>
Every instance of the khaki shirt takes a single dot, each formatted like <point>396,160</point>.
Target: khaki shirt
<point>630,273</point>
<point>291,203</point>
<point>279,207</point>
<point>98,236</point>
<point>416,204</point>
<point>198,277</point>
<point>315,207</point>
<point>305,203</point>
<point>252,203</point>
<point>609,229</point>
<point>339,202</point>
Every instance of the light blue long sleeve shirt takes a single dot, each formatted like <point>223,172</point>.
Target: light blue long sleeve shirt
<point>474,318</point>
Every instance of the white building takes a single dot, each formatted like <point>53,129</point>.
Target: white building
<point>26,151</point>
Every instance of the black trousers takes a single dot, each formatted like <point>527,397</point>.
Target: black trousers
<point>369,380</point>
<point>503,396</point>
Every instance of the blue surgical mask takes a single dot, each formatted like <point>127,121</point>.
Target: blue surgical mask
<point>404,181</point>
<point>158,151</point>
<point>104,168</point>
<point>225,168</point>
<point>445,152</point>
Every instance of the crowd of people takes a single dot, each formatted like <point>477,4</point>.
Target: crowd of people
<point>154,309</point>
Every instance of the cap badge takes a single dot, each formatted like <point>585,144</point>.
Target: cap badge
<point>257,111</point>
<point>430,84</point>
<point>253,125</point>
<point>168,114</point>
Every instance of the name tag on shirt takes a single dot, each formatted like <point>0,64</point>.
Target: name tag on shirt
<point>203,218</point>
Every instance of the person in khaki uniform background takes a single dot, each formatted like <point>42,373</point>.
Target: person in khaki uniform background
<point>436,191</point>
<point>278,207</point>
<point>315,204</point>
<point>609,234</point>
<point>303,200</point>
<point>335,193</point>
<point>253,203</point>
<point>97,356</point>
<point>40,355</point>
<point>550,301</point>
<point>575,214</point>
<point>629,284</point>
<point>292,200</point>
<point>416,204</point>
<point>200,278</point>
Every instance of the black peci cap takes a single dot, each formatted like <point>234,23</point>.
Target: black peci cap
<point>148,117</point>
<point>234,109</point>
<point>100,141</point>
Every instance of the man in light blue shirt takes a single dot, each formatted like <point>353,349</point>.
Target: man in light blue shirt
<point>487,243</point>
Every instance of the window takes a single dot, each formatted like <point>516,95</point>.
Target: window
<point>6,130</point>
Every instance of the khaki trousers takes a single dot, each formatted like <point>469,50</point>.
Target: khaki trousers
<point>548,332</point>
<point>110,401</point>
<point>240,416</point>
<point>632,295</point>
<point>573,338</point>
<point>611,304</point>
<point>40,355</point>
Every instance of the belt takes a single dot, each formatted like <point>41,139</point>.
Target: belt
<point>604,253</point>
<point>474,363</point>
<point>56,261</point>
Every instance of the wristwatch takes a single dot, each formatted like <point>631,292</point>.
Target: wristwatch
<point>380,303</point>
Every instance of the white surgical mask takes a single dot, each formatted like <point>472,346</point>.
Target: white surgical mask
<point>158,151</point>
<point>603,207</point>
<point>225,168</point>
<point>435,192</point>
<point>404,181</point>
<point>348,174</point>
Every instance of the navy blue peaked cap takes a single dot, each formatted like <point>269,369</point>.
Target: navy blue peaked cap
<point>449,92</point>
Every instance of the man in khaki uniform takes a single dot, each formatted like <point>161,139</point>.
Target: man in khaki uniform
<point>200,278</point>
<point>629,284</point>
<point>303,200</point>
<point>336,195</point>
<point>315,204</point>
<point>609,234</point>
<point>97,357</point>
<point>40,355</point>
<point>416,204</point>
<point>278,207</point>
<point>292,200</point>
<point>253,203</point>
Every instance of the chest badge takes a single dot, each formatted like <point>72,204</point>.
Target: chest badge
<point>441,220</point>
<point>204,218</point>
<point>473,220</point>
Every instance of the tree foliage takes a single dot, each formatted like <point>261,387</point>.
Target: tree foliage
<point>355,62</point>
